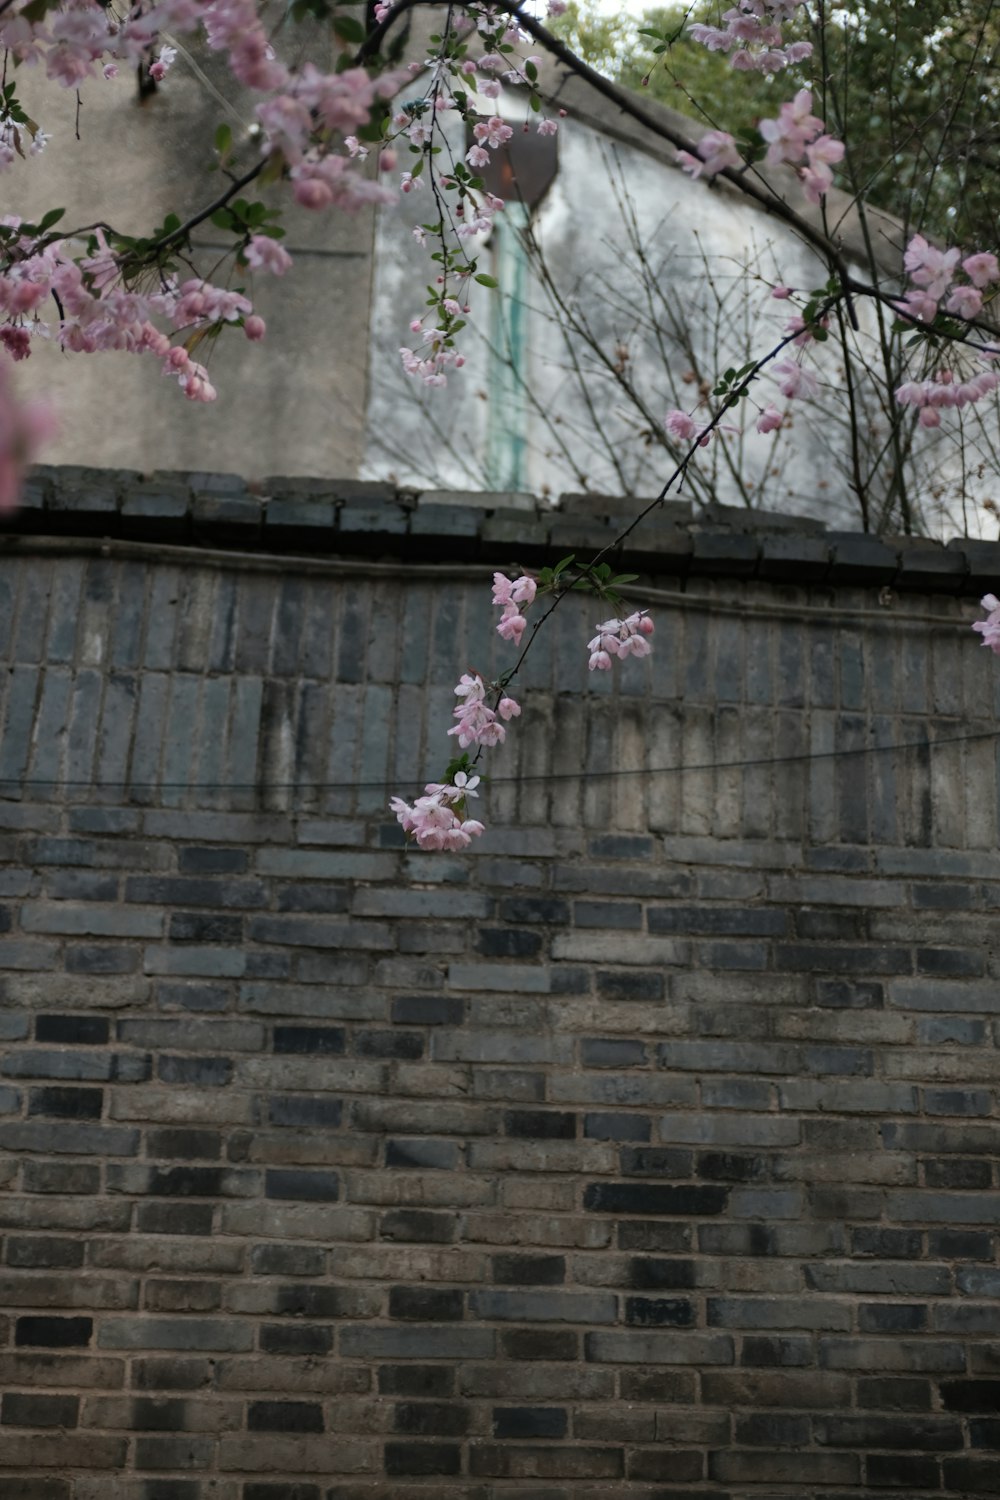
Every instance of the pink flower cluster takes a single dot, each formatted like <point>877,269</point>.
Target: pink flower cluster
<point>509,594</point>
<point>943,390</point>
<point>933,272</point>
<point>753,35</point>
<point>989,628</point>
<point>716,149</point>
<point>433,821</point>
<point>796,137</point>
<point>97,313</point>
<point>620,638</point>
<point>477,722</point>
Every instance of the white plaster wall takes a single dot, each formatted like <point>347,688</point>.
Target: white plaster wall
<point>711,259</point>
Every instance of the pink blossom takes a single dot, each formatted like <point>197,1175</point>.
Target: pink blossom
<point>620,638</point>
<point>508,708</point>
<point>265,253</point>
<point>793,380</point>
<point>492,132</point>
<point>254,327</point>
<point>981,269</point>
<point>965,302</point>
<point>680,426</point>
<point>770,419</point>
<point>780,293</point>
<point>512,624</point>
<point>989,628</point>
<point>716,150</point>
<point>547,127</point>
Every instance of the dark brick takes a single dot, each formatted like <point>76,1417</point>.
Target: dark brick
<point>426,1304</point>
<point>428,1010</point>
<point>639,1234</point>
<point>970,1395</point>
<point>287,1260</point>
<point>417,1225</point>
<point>301,1186</point>
<point>895,1394</point>
<point>540,1124</point>
<point>423,1154</point>
<point>416,1380</point>
<point>529,1422</point>
<point>651,1273</point>
<point>659,1312</point>
<point>329,1041</point>
<point>209,861</point>
<point>205,927</point>
<point>28,1409</point>
<point>612,1052</point>
<point>54,1333</point>
<point>972,1476</point>
<point>636,1198</point>
<point>283,1491</point>
<point>893,1244</point>
<point>422,1458</point>
<point>960,1244</point>
<point>285,1338</point>
<point>631,984</point>
<point>175,1218</point>
<point>617,1127</point>
<point>901,1471</point>
<point>66,1103</point>
<point>508,942</point>
<point>773,1351</point>
<point>63,1178</point>
<point>892,1317</point>
<point>284,1416</point>
<point>655,1161</point>
<point>623,915</point>
<point>81,1031</point>
<point>41,1251</point>
<point>406,1045</point>
<point>538,1343</point>
<point>300,1110</point>
<point>955,1172</point>
<point>846,994</point>
<point>181,1141</point>
<point>727,1166</point>
<point>431,1418</point>
<point>771,1429</point>
<point>211,1072</point>
<point>528,1270</point>
<point>535,909</point>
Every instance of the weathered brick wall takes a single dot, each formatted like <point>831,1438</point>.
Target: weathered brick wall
<point>648,1150</point>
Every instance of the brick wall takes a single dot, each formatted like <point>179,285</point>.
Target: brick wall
<point>648,1150</point>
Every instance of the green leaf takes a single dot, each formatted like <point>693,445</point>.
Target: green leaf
<point>224,140</point>
<point>561,566</point>
<point>349,29</point>
<point>485,280</point>
<point>624,578</point>
<point>530,71</point>
<point>52,217</point>
<point>650,31</point>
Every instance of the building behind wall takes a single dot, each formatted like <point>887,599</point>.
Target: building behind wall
<point>648,1149</point>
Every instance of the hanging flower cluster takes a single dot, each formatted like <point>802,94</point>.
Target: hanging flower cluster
<point>753,35</point>
<point>620,638</point>
<point>437,820</point>
<point>989,628</point>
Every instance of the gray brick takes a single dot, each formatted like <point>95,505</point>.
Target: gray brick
<point>415,1342</point>
<point>544,1307</point>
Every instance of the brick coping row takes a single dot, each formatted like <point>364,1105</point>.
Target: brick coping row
<point>364,518</point>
